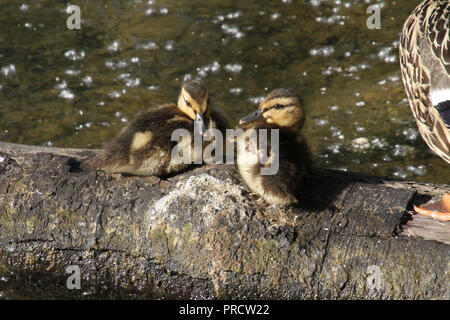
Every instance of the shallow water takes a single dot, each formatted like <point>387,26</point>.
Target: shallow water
<point>77,88</point>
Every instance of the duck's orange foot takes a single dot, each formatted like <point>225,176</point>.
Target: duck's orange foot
<point>438,210</point>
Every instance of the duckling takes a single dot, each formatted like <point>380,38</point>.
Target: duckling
<point>282,109</point>
<point>425,64</point>
<point>144,146</point>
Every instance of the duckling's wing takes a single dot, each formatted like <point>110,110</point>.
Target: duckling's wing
<point>146,138</point>
<point>115,153</point>
<point>425,63</point>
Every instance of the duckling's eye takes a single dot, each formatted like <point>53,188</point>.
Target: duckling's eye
<point>188,103</point>
<point>278,106</point>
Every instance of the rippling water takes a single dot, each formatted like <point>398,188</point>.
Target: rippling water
<point>77,88</point>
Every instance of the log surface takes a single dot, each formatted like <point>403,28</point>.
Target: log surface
<point>201,234</point>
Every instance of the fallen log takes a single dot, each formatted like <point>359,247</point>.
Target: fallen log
<point>201,234</point>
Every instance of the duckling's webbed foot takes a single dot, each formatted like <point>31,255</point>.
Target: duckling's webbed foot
<point>160,170</point>
<point>438,210</point>
<point>261,202</point>
<point>254,197</point>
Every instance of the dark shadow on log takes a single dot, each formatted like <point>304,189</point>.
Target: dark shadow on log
<point>201,234</point>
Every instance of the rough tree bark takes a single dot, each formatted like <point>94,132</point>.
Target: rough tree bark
<point>200,234</point>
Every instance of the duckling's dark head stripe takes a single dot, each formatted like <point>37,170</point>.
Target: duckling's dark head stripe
<point>283,93</point>
<point>196,90</point>
<point>444,111</point>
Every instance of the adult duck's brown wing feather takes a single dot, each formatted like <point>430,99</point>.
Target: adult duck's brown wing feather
<point>425,65</point>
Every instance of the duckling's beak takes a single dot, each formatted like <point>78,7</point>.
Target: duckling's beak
<point>199,124</point>
<point>254,116</point>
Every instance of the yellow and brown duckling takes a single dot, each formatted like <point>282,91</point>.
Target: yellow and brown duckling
<point>425,64</point>
<point>282,109</point>
<point>144,146</point>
